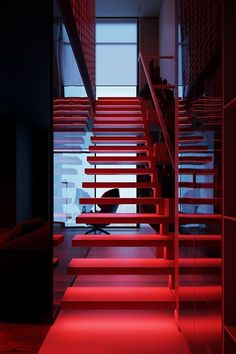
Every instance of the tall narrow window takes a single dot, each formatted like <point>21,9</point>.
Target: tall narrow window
<point>116,57</point>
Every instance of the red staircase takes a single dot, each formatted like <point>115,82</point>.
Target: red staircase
<point>121,125</point>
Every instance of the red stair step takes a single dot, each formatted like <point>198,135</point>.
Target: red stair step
<point>117,105</point>
<point>118,108</point>
<point>57,239</point>
<point>114,124</point>
<point>118,185</point>
<point>118,149</point>
<point>200,265</point>
<point>121,240</point>
<point>69,127</point>
<point>210,201</point>
<point>118,100</point>
<point>119,160</point>
<point>114,114</point>
<point>121,218</point>
<point>69,117</point>
<point>200,172</point>
<point>190,139</point>
<point>110,131</point>
<point>118,140</point>
<point>101,118</point>
<point>200,293</point>
<point>108,201</point>
<point>120,266</point>
<point>193,148</point>
<point>119,171</point>
<point>117,298</point>
<point>199,218</point>
<point>142,266</point>
<point>189,160</point>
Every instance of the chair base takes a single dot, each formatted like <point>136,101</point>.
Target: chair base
<point>95,229</point>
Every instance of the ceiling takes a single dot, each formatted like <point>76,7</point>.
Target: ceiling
<point>127,8</point>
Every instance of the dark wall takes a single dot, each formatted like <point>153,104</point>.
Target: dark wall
<point>25,104</point>
<point>25,110</point>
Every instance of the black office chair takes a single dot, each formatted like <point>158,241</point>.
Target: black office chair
<point>107,208</point>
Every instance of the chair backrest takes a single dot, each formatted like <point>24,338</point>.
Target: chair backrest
<point>110,208</point>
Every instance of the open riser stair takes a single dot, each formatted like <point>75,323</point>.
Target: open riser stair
<point>120,126</point>
<point>199,196</point>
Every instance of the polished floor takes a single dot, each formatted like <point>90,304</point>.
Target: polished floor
<point>116,331</point>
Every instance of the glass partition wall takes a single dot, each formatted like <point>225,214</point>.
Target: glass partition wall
<point>116,75</point>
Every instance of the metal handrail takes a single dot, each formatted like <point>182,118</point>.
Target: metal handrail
<point>161,120</point>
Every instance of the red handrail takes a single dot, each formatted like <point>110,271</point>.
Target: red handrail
<point>159,113</point>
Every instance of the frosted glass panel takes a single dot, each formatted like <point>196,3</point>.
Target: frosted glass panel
<point>116,32</point>
<point>116,64</point>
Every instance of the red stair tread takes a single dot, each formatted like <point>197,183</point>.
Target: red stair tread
<point>118,139</point>
<point>120,119</point>
<point>119,107</point>
<point>118,130</point>
<point>121,240</point>
<point>113,124</point>
<point>70,118</point>
<point>183,238</point>
<point>108,218</point>
<point>118,185</point>
<point>199,201</point>
<point>189,139</point>
<point>57,239</point>
<point>114,114</point>
<point>200,262</point>
<point>193,148</point>
<point>118,160</point>
<point>200,218</point>
<point>107,201</point>
<point>194,159</point>
<point>115,105</point>
<point>112,148</point>
<point>200,293</point>
<point>119,171</point>
<point>200,172</point>
<point>120,266</point>
<point>80,297</point>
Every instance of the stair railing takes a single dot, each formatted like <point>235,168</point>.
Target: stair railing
<point>160,117</point>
